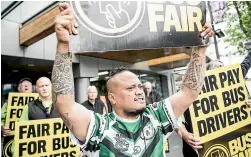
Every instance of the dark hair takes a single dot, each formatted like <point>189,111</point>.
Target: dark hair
<point>116,71</point>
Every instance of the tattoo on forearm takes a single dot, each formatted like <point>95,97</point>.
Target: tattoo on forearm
<point>62,77</point>
<point>194,77</point>
<point>62,81</point>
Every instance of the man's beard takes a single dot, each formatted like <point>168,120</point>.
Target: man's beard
<point>135,112</point>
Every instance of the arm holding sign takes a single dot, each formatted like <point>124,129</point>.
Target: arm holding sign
<point>3,113</point>
<point>193,79</point>
<point>191,87</point>
<point>194,142</point>
<point>75,116</point>
<point>5,131</point>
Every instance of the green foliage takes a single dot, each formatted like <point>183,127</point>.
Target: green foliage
<point>238,24</point>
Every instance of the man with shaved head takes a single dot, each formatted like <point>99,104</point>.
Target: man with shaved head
<point>42,107</point>
<point>132,129</point>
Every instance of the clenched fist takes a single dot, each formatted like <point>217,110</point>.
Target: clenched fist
<point>65,24</point>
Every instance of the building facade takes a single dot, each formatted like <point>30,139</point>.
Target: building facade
<point>36,59</point>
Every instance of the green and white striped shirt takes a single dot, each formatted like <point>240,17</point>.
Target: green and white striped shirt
<point>110,135</point>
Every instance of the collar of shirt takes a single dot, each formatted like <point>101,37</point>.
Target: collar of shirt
<point>46,104</point>
<point>125,120</point>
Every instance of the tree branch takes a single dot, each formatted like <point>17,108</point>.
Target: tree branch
<point>249,5</point>
<point>240,20</point>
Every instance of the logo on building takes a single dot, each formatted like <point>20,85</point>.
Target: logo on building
<point>217,150</point>
<point>109,18</point>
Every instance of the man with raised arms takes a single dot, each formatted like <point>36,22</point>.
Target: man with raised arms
<point>132,129</point>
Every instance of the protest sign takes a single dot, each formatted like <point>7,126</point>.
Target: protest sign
<point>220,117</point>
<point>44,138</point>
<point>126,25</point>
<point>16,103</point>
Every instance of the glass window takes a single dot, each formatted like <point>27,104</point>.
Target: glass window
<point>6,88</point>
<point>177,77</point>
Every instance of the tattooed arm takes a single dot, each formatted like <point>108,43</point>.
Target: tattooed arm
<point>192,82</point>
<point>75,116</point>
<point>193,79</point>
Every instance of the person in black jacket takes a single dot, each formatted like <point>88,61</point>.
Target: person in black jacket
<point>151,95</point>
<point>191,143</point>
<point>94,103</point>
<point>40,108</point>
<point>245,65</point>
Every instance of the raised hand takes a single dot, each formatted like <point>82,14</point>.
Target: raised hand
<point>207,31</point>
<point>65,24</point>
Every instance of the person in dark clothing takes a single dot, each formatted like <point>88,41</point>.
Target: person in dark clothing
<point>40,108</point>
<point>107,103</point>
<point>94,103</point>
<point>191,143</point>
<point>245,65</point>
<point>151,95</point>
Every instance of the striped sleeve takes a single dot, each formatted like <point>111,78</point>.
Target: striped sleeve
<point>94,134</point>
<point>164,113</point>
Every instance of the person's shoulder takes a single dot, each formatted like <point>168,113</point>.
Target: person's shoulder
<point>104,118</point>
<point>33,102</point>
<point>99,101</point>
<point>85,102</point>
<point>155,92</point>
<point>110,117</point>
<point>5,104</point>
